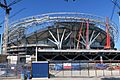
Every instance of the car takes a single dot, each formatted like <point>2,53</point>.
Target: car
<point>101,66</point>
<point>113,68</point>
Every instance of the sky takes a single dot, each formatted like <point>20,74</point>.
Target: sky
<point>36,7</point>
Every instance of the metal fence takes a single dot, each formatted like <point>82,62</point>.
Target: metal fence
<point>84,69</point>
<point>13,70</point>
<point>63,69</point>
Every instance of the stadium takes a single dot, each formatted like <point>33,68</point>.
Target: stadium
<point>69,41</point>
<point>68,34</point>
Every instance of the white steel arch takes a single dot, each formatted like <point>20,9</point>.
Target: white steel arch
<point>59,17</point>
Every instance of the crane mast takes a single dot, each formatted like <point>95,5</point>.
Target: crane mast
<point>118,6</point>
<point>7,10</point>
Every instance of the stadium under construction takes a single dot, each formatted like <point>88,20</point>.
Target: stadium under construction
<point>63,36</point>
<point>69,41</point>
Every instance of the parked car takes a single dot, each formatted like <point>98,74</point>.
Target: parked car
<point>101,66</point>
<point>113,68</point>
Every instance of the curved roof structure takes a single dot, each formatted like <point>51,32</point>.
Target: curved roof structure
<point>61,30</point>
<point>26,23</point>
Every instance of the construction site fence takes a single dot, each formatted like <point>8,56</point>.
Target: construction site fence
<point>8,70</point>
<point>84,68</point>
<point>63,69</point>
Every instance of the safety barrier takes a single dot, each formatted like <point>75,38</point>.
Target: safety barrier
<point>84,69</point>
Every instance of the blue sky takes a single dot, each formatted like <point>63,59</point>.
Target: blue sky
<point>35,7</point>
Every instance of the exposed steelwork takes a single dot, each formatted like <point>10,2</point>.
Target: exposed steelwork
<point>63,36</point>
<point>61,17</point>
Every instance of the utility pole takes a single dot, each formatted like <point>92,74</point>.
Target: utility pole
<point>7,11</point>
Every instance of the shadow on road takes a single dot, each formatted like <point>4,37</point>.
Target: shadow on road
<point>111,78</point>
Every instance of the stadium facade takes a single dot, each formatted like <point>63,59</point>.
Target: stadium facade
<point>64,36</point>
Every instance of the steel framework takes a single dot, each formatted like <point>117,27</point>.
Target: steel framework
<point>32,21</point>
<point>64,31</point>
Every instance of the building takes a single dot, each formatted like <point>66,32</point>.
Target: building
<point>63,36</point>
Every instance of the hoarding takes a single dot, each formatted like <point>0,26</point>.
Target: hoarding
<point>40,69</point>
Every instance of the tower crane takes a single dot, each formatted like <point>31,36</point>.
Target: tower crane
<point>13,15</point>
<point>7,8</point>
<point>118,6</point>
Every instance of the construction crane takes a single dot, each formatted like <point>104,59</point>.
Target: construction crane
<point>7,8</point>
<point>13,15</point>
<point>115,5</point>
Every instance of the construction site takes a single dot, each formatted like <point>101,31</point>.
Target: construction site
<point>60,45</point>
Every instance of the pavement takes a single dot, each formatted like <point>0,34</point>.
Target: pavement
<point>83,75</point>
<point>91,78</point>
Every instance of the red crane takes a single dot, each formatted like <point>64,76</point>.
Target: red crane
<point>107,46</point>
